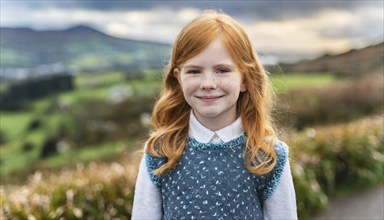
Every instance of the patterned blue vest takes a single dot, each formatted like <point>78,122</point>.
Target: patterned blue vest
<point>211,182</point>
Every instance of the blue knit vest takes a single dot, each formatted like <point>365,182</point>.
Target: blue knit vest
<point>211,182</point>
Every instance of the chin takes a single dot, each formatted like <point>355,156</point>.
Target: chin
<point>210,114</point>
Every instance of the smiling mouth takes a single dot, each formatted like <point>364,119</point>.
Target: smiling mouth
<point>209,98</point>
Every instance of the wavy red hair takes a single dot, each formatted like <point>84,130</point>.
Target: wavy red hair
<point>170,118</point>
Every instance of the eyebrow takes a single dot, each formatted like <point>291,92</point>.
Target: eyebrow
<point>192,67</point>
<point>215,66</point>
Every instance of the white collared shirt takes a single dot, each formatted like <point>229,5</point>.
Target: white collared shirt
<point>148,201</point>
<point>204,135</point>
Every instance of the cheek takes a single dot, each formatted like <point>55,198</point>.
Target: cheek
<point>231,86</point>
<point>187,90</point>
<point>188,86</point>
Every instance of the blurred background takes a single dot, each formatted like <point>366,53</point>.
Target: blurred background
<point>78,80</point>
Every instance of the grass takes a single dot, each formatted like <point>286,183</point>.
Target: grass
<point>319,157</point>
<point>81,94</point>
<point>94,80</point>
<point>87,153</point>
<point>91,191</point>
<point>3,87</point>
<point>92,86</point>
<point>13,157</point>
<point>284,82</point>
<point>18,161</point>
<point>143,88</point>
<point>336,159</point>
<point>14,123</point>
<point>98,86</point>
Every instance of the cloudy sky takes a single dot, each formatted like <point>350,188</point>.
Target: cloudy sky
<point>287,29</point>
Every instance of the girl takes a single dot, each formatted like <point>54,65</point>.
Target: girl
<point>213,153</point>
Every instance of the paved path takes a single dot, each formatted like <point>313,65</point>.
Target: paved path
<point>363,205</point>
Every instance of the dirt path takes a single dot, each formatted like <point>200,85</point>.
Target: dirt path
<point>362,205</point>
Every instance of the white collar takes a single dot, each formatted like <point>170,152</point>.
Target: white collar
<point>204,135</point>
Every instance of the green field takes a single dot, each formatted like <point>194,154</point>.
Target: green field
<point>14,125</point>
<point>285,82</point>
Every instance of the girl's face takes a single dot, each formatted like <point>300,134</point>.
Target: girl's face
<point>211,84</point>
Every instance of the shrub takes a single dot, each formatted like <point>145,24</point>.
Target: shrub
<point>95,191</point>
<point>96,122</point>
<point>35,88</point>
<point>326,161</point>
<point>334,159</point>
<point>35,124</point>
<point>27,146</point>
<point>49,147</point>
<point>3,137</point>
<point>340,102</point>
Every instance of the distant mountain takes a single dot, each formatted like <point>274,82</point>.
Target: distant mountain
<point>85,48</point>
<point>80,46</point>
<point>352,63</point>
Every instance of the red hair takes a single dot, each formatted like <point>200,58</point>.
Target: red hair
<point>170,118</point>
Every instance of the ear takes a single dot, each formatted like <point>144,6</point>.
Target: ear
<point>176,73</point>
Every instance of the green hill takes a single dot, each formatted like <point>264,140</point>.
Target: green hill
<point>352,63</point>
<point>80,46</point>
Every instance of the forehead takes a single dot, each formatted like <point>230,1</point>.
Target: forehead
<point>216,53</point>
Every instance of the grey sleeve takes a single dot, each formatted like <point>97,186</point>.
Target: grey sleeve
<point>147,202</point>
<point>282,202</point>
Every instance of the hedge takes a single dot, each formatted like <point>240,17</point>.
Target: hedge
<point>95,191</point>
<point>344,101</point>
<point>325,161</point>
<point>333,160</point>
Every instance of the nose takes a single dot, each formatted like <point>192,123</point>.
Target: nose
<point>209,81</point>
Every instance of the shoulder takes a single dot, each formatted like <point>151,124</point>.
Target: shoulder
<point>269,181</point>
<point>281,150</point>
<point>152,164</point>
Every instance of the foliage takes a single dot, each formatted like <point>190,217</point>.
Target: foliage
<point>90,124</point>
<point>285,82</point>
<point>34,88</point>
<point>111,121</point>
<point>3,137</point>
<point>95,191</point>
<point>337,102</point>
<point>334,159</point>
<point>325,161</point>
<point>103,110</point>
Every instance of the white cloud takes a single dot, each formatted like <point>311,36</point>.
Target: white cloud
<point>158,24</point>
<point>331,31</point>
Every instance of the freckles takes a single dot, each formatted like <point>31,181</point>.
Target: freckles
<point>229,85</point>
<point>225,84</point>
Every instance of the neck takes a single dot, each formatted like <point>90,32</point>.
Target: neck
<point>215,124</point>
